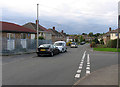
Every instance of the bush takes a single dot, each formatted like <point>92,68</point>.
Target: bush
<point>93,44</point>
<point>113,43</point>
<point>101,46</point>
<point>41,38</point>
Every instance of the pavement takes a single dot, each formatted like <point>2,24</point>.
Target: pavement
<point>104,76</point>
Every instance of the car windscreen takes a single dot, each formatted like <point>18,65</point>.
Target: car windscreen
<point>59,44</point>
<point>45,45</point>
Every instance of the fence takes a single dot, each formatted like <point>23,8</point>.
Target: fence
<point>16,46</point>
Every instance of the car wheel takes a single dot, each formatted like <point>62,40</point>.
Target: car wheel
<point>51,54</point>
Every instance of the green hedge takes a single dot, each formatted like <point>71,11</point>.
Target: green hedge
<point>113,43</point>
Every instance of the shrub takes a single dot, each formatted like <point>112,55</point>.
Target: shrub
<point>41,38</point>
<point>113,43</point>
<point>101,46</point>
<point>93,44</point>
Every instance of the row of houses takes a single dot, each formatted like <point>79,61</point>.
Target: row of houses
<point>29,31</point>
<point>110,35</point>
<point>17,36</point>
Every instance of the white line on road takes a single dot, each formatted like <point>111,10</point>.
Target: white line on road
<point>88,65</point>
<point>80,66</point>
<point>79,71</point>
<point>77,76</point>
<point>87,72</point>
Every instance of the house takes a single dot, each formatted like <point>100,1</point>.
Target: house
<point>70,38</point>
<point>64,35</point>
<point>56,36</point>
<point>110,35</point>
<point>114,34</point>
<point>13,34</point>
<point>42,30</point>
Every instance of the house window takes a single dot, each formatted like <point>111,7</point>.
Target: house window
<point>10,36</point>
<point>116,34</point>
<point>23,36</point>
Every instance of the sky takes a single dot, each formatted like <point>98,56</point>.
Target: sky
<point>72,16</point>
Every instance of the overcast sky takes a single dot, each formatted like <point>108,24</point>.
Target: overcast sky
<point>73,16</point>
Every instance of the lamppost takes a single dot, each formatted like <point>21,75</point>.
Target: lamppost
<point>37,21</point>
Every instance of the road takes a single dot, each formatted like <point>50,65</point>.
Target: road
<point>28,69</point>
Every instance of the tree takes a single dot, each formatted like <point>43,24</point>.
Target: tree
<point>84,34</point>
<point>90,34</point>
<point>81,39</point>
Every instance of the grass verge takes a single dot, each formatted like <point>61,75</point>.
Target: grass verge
<point>106,49</point>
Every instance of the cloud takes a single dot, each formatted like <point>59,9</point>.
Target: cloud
<point>82,14</point>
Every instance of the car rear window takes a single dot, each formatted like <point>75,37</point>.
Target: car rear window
<point>45,45</point>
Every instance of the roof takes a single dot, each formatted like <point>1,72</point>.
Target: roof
<point>54,32</point>
<point>115,31</point>
<point>11,27</point>
<point>34,27</point>
<point>63,34</point>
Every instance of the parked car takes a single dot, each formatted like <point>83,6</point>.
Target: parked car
<point>73,45</point>
<point>82,43</point>
<point>47,49</point>
<point>61,46</point>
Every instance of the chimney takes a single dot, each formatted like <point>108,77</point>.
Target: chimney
<point>53,28</point>
<point>62,31</point>
<point>37,22</point>
<point>109,28</point>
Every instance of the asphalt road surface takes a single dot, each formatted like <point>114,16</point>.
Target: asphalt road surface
<point>62,69</point>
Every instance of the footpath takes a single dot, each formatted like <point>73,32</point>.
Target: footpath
<point>104,76</point>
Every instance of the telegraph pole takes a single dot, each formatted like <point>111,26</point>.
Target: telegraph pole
<point>37,21</point>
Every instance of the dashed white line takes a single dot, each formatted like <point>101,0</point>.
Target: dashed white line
<point>79,71</point>
<point>87,72</point>
<point>88,68</point>
<point>77,76</point>
<point>88,65</point>
<point>80,66</point>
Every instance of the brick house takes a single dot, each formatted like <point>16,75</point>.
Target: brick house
<point>42,30</point>
<point>12,34</point>
<point>56,36</point>
<point>64,35</point>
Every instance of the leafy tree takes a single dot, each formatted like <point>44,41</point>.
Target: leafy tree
<point>90,34</point>
<point>84,34</point>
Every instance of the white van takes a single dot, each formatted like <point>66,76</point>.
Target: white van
<point>61,45</point>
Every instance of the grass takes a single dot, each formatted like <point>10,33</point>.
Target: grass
<point>106,49</point>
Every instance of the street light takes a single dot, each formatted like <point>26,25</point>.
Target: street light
<point>37,24</point>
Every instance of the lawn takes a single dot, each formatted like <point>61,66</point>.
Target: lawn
<point>106,49</point>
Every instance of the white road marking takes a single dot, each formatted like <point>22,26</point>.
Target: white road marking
<point>88,68</point>
<point>79,71</point>
<point>81,62</point>
<point>87,72</point>
<point>80,67</point>
<point>77,76</point>
<point>88,65</point>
